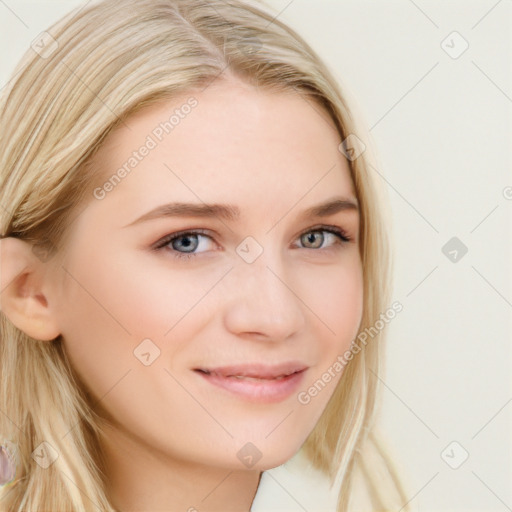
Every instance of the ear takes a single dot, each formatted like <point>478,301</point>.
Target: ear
<point>24,278</point>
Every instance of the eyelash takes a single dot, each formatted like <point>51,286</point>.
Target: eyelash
<point>342,235</point>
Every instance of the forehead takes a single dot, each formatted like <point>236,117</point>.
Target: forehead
<point>230,141</point>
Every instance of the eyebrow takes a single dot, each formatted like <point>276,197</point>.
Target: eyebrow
<point>232,213</point>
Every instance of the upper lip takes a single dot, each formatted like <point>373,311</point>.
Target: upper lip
<point>261,371</point>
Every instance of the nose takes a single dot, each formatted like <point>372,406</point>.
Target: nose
<point>261,301</point>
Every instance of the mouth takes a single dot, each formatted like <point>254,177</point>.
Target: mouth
<point>256,383</point>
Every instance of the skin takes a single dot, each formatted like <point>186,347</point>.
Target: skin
<point>174,438</point>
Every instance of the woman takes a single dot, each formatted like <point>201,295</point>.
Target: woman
<point>192,248</point>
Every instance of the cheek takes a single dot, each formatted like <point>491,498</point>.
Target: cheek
<point>155,293</point>
<point>107,311</point>
<point>110,307</point>
<point>96,331</point>
<point>104,313</point>
<point>335,296</point>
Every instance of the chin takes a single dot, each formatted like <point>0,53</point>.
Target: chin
<point>275,454</point>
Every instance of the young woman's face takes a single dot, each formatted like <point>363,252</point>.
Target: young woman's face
<point>185,342</point>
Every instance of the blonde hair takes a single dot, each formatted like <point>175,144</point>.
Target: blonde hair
<point>100,64</point>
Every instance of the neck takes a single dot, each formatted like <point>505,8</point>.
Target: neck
<point>141,479</point>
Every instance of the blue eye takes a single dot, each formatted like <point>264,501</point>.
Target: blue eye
<point>189,241</point>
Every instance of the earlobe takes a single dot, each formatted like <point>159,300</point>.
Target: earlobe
<point>22,301</point>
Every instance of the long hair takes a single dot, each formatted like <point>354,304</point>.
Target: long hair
<point>96,66</point>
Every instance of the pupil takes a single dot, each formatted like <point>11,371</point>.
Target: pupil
<point>187,243</point>
<point>311,237</point>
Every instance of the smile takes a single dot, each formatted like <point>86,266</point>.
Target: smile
<point>256,383</point>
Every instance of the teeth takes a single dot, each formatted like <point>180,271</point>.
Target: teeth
<point>257,378</point>
<point>280,377</point>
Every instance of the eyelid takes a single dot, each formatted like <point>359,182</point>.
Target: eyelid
<point>343,237</point>
<point>329,228</point>
<point>176,234</point>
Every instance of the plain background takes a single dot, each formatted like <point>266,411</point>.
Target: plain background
<point>441,125</point>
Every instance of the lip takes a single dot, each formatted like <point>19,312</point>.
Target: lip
<point>256,382</point>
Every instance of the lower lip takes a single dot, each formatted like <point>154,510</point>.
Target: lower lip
<point>257,390</point>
